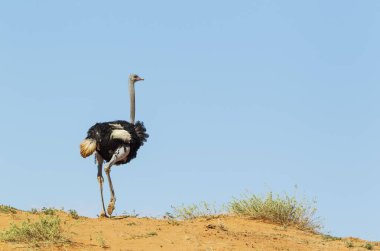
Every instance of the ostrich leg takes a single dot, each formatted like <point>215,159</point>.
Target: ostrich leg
<point>120,154</point>
<point>100,160</point>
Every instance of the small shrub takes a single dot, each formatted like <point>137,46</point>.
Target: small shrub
<point>202,209</point>
<point>328,237</point>
<point>7,209</point>
<point>48,210</point>
<point>169,216</point>
<point>34,211</point>
<point>73,214</point>
<point>349,244</point>
<point>46,230</point>
<point>280,210</point>
<point>368,246</point>
<point>133,214</point>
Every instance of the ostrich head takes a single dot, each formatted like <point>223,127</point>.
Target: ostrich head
<point>133,78</point>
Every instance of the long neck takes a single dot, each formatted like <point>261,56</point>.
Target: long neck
<point>132,98</point>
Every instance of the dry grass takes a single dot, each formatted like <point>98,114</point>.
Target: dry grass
<point>45,211</point>
<point>46,230</point>
<point>202,209</point>
<point>286,210</point>
<point>283,210</point>
<point>7,209</point>
<point>368,246</point>
<point>74,214</point>
<point>49,210</point>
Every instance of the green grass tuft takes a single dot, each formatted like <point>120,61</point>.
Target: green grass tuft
<point>202,209</point>
<point>132,214</point>
<point>328,237</point>
<point>286,210</point>
<point>368,246</point>
<point>74,214</point>
<point>46,230</point>
<point>49,210</point>
<point>349,244</point>
<point>7,209</point>
<point>34,211</point>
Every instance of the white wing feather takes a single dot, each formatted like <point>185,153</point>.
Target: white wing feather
<point>121,134</point>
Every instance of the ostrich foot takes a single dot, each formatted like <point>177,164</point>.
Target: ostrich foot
<point>103,215</point>
<point>111,207</point>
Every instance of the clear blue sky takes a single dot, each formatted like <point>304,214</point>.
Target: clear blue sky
<point>251,95</point>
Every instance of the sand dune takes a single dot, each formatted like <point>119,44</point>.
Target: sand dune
<point>212,234</point>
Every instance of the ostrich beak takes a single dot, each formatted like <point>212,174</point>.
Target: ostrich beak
<point>139,79</point>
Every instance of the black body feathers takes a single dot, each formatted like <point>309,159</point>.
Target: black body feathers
<point>106,143</point>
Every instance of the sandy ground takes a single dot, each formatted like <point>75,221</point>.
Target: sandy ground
<point>207,234</point>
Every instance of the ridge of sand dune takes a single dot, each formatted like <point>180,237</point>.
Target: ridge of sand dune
<point>213,233</point>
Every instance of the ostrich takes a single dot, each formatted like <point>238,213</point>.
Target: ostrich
<point>115,142</point>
